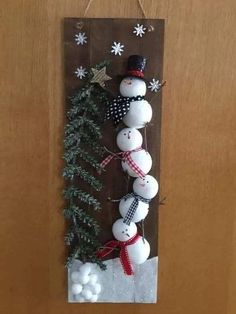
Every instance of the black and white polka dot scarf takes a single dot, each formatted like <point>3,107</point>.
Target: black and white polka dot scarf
<point>119,107</point>
<point>134,205</point>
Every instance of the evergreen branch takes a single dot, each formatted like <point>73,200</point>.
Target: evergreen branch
<point>84,197</point>
<point>83,217</point>
<point>72,170</point>
<point>72,153</point>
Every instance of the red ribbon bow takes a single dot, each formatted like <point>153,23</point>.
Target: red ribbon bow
<point>125,156</point>
<point>124,257</point>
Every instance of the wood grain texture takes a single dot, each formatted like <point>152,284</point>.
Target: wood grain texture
<point>197,225</point>
<point>101,35</point>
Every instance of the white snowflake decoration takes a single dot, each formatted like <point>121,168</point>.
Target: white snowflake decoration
<point>139,30</point>
<point>80,39</point>
<point>155,85</point>
<point>81,72</point>
<point>117,48</point>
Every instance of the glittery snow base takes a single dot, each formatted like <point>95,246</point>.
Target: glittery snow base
<point>119,288</point>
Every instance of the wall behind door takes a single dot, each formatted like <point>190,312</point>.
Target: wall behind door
<point>197,234</point>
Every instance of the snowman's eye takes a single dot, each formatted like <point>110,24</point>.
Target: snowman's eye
<point>147,181</point>
<point>123,232</point>
<point>124,133</point>
<point>129,131</point>
<point>126,229</point>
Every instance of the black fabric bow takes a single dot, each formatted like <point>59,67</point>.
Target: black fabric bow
<point>132,209</point>
<point>119,107</point>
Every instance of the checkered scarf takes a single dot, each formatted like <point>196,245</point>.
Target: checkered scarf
<point>119,107</point>
<point>133,207</point>
<point>125,156</point>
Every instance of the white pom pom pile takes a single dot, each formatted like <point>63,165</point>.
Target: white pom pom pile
<point>85,286</point>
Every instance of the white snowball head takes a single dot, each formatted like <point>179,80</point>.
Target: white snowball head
<point>129,139</point>
<point>142,159</point>
<point>86,293</point>
<point>146,187</point>
<point>132,86</point>
<point>76,288</point>
<point>123,232</point>
<point>85,269</point>
<point>140,213</point>
<point>139,114</point>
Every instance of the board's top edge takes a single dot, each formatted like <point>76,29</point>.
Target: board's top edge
<point>111,19</point>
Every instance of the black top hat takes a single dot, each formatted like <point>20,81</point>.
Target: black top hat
<point>136,66</point>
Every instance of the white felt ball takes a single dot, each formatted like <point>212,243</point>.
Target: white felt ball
<point>93,279</point>
<point>79,298</point>
<point>139,251</point>
<point>75,276</point>
<point>142,159</point>
<point>83,278</point>
<point>97,288</point>
<point>76,288</point>
<point>123,232</point>
<point>85,269</point>
<point>132,86</point>
<point>140,213</point>
<point>139,114</point>
<point>87,293</point>
<point>129,139</point>
<point>94,298</point>
<point>146,187</point>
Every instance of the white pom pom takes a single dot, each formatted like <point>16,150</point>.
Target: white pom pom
<point>87,293</point>
<point>85,269</point>
<point>94,298</point>
<point>76,288</point>
<point>139,114</point>
<point>123,232</point>
<point>97,288</point>
<point>142,159</point>
<point>129,139</point>
<point>82,278</point>
<point>75,276</point>
<point>79,298</point>
<point>146,187</point>
<point>93,279</point>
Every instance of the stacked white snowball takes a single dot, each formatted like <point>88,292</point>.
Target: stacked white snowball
<point>129,139</point>
<point>85,286</point>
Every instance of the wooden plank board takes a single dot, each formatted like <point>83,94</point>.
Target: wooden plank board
<point>101,33</point>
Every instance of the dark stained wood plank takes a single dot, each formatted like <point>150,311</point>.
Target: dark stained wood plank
<point>101,34</point>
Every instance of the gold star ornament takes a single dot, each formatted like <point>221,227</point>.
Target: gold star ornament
<point>100,76</point>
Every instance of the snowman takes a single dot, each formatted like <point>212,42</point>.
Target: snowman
<point>136,161</point>
<point>134,207</point>
<point>134,249</point>
<point>131,107</point>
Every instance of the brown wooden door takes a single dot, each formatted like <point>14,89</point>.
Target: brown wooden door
<point>197,238</point>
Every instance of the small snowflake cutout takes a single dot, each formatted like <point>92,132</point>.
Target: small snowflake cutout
<point>139,30</point>
<point>117,48</point>
<point>80,39</point>
<point>155,85</point>
<point>81,72</point>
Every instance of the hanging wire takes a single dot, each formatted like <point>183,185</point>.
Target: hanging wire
<point>139,2</point>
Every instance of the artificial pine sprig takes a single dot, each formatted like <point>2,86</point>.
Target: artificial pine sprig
<point>82,151</point>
